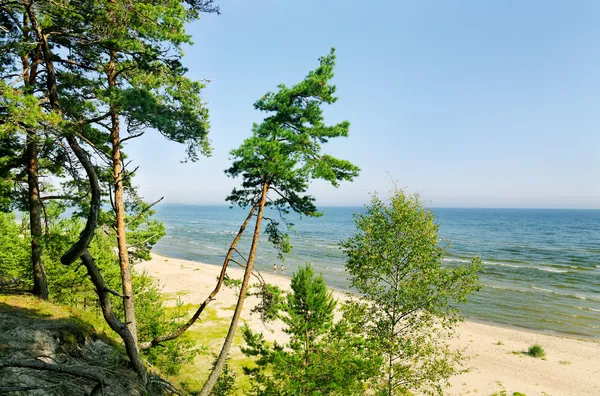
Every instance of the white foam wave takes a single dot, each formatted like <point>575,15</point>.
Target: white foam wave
<point>534,267</point>
<point>588,309</point>
<point>327,246</point>
<point>456,260</point>
<point>576,295</point>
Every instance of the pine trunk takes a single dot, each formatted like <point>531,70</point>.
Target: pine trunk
<point>40,284</point>
<point>216,371</point>
<point>128,301</point>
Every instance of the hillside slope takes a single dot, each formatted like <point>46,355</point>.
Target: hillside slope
<point>49,350</point>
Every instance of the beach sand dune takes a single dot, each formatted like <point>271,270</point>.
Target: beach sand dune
<point>497,364</point>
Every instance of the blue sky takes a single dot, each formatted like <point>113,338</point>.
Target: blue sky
<point>469,103</point>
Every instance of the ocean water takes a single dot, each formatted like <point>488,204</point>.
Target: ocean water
<point>542,267</point>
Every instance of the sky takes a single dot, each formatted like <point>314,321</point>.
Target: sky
<point>468,103</point>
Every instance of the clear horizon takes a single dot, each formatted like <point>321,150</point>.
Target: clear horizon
<point>427,206</point>
<point>470,105</point>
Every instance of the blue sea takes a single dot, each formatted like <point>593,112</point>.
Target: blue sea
<point>542,267</point>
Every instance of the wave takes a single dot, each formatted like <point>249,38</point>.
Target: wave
<point>213,248</point>
<point>577,296</point>
<point>455,260</point>
<point>512,265</point>
<point>336,247</point>
<point>588,309</point>
<point>547,291</point>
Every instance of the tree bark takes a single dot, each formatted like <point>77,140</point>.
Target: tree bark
<point>87,260</point>
<point>216,371</point>
<point>40,283</point>
<point>79,248</point>
<point>128,300</point>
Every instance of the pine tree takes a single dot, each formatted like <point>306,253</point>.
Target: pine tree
<point>322,357</point>
<point>276,165</point>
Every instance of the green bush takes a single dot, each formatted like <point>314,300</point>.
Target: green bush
<point>536,351</point>
<point>14,250</point>
<point>226,383</point>
<point>154,318</point>
<point>70,285</point>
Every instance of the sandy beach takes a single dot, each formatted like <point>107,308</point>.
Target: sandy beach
<point>571,366</point>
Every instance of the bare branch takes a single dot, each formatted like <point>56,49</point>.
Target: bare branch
<point>132,137</point>
<point>146,209</point>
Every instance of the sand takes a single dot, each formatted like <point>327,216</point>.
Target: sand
<point>571,366</point>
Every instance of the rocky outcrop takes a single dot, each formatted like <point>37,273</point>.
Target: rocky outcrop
<point>44,354</point>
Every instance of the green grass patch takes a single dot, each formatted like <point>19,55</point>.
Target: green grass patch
<point>209,333</point>
<point>564,362</point>
<point>536,351</point>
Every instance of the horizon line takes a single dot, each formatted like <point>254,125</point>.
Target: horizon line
<point>426,206</point>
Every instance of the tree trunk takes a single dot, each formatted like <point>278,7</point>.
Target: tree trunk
<point>40,284</point>
<point>128,302</point>
<point>171,336</point>
<point>79,248</point>
<point>216,371</point>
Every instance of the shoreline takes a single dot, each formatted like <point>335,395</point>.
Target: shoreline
<point>471,319</point>
<point>496,359</point>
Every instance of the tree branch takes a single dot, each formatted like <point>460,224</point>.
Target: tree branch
<point>171,336</point>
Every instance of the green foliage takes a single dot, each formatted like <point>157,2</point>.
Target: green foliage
<point>395,262</point>
<point>69,285</point>
<point>536,351</point>
<point>285,150</point>
<point>231,282</point>
<point>20,114</point>
<point>270,302</point>
<point>322,358</point>
<point>154,319</point>
<point>226,383</point>
<point>14,249</point>
<point>309,308</point>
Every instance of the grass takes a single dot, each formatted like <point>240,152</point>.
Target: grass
<point>499,343</point>
<point>536,351</point>
<point>564,362</point>
<point>209,332</point>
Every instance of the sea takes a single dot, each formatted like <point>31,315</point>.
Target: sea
<point>541,266</point>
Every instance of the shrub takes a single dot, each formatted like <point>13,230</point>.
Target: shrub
<point>536,351</point>
<point>154,318</point>
<point>14,249</point>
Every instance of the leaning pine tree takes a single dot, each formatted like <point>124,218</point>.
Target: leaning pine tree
<point>277,164</point>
